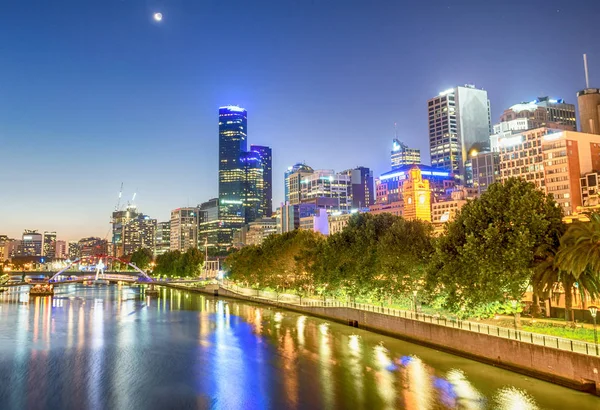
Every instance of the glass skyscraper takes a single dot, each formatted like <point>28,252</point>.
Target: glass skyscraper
<point>266,159</point>
<point>233,131</point>
<point>253,187</point>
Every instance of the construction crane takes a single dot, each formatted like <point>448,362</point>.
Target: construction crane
<point>119,201</point>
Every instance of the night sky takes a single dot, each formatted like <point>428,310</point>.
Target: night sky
<point>94,93</point>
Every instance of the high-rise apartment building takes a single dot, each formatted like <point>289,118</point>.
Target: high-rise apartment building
<point>73,250</point>
<point>233,132</point>
<point>543,111</point>
<point>162,238</point>
<point>403,155</point>
<point>253,186</point>
<point>459,119</point>
<point>138,234</point>
<point>486,169</point>
<point>293,182</point>
<point>184,229</point>
<point>327,189</point>
<point>266,159</point>
<point>361,191</point>
<point>49,247</point>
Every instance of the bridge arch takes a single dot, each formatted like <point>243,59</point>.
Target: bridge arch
<point>107,257</point>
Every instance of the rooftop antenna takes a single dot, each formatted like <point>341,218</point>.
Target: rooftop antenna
<point>585,67</point>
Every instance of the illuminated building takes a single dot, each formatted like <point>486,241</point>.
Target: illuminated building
<point>318,222</point>
<point>233,130</point>
<point>361,187</point>
<point>403,155</point>
<point>162,238</point>
<point>486,169</point>
<point>459,118</point>
<point>416,196</point>
<point>61,250</point>
<point>253,186</point>
<point>554,160</point>
<point>73,252</point>
<point>92,247</point>
<point>293,182</point>
<point>390,184</point>
<point>120,219</point>
<point>588,101</point>
<point>327,189</point>
<point>138,234</point>
<point>212,232</point>
<point>338,221</point>
<point>49,246</point>
<point>445,211</point>
<point>288,215</point>
<point>543,111</point>
<point>394,208</point>
<point>259,230</point>
<point>184,229</point>
<point>266,159</point>
<point>31,244</point>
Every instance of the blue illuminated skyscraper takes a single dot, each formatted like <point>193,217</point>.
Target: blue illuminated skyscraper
<point>233,131</point>
<point>266,158</point>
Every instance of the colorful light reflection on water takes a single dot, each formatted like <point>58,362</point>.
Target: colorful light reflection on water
<point>110,347</point>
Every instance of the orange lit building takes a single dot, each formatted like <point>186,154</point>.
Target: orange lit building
<point>417,196</point>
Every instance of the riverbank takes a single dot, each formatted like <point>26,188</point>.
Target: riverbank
<point>566,368</point>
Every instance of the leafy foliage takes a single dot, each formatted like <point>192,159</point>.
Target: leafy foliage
<point>175,263</point>
<point>142,258</point>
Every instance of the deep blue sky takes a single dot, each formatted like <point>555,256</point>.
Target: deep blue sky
<point>94,93</point>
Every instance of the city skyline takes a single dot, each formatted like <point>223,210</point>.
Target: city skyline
<point>110,113</point>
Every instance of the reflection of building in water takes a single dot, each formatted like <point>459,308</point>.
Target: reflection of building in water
<point>419,392</point>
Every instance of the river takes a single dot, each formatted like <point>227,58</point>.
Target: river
<point>108,347</point>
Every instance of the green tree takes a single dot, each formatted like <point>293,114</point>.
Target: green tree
<point>190,262</point>
<point>580,248</point>
<point>487,254</point>
<point>166,264</point>
<point>142,258</point>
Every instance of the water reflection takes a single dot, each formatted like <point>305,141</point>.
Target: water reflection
<point>111,347</point>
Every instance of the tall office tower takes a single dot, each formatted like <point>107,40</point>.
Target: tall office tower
<point>233,131</point>
<point>253,187</point>
<point>212,233</point>
<point>119,221</point>
<point>362,194</point>
<point>543,111</point>
<point>486,169</point>
<point>184,229</point>
<point>266,158</point>
<point>49,247</point>
<point>138,234</point>
<point>92,247</point>
<point>31,244</point>
<point>403,155</point>
<point>459,119</point>
<point>293,182</point>
<point>162,238</point>
<point>61,250</point>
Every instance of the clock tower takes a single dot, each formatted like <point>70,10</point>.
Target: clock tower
<point>417,196</point>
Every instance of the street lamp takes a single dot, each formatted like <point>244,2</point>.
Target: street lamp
<point>593,311</point>
<point>415,299</point>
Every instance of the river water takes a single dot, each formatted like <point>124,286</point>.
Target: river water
<point>109,347</point>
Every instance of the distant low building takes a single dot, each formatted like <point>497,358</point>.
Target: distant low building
<point>259,230</point>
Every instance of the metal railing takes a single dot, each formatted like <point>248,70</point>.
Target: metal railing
<point>497,331</point>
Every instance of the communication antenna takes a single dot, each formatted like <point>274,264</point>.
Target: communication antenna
<point>585,67</point>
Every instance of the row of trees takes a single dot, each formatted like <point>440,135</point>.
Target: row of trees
<point>177,264</point>
<point>510,238</point>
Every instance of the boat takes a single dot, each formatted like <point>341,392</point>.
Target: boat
<point>41,290</point>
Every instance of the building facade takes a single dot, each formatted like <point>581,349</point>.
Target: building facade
<point>486,169</point>
<point>333,190</point>
<point>390,184</point>
<point>184,229</point>
<point>162,238</point>
<point>233,131</point>
<point>212,233</point>
<point>362,193</point>
<point>31,243</point>
<point>403,155</point>
<point>266,159</point>
<point>543,111</point>
<point>253,187</point>
<point>588,101</point>
<point>293,182</point>
<point>49,247</point>
<point>459,119</point>
<point>416,196</point>
<point>259,230</point>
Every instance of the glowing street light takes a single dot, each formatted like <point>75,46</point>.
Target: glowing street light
<point>593,311</point>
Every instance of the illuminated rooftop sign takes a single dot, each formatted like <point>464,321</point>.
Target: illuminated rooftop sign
<point>234,108</point>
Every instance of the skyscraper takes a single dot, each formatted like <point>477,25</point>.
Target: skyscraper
<point>293,180</point>
<point>403,155</point>
<point>49,247</point>
<point>184,229</point>
<point>459,119</point>
<point>266,158</point>
<point>31,244</point>
<point>138,234</point>
<point>253,188</point>
<point>233,131</point>
<point>361,187</point>
<point>162,238</point>
<point>212,233</point>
